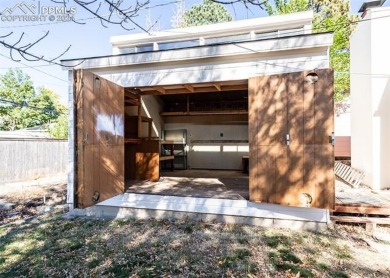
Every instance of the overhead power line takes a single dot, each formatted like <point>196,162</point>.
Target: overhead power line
<point>41,71</point>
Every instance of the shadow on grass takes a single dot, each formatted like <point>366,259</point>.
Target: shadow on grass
<point>58,247</point>
<point>55,247</point>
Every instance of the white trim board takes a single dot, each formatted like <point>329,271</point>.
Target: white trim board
<point>216,206</point>
<point>323,40</point>
<point>262,24</point>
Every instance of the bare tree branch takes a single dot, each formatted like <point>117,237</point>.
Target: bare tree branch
<point>259,3</point>
<point>27,55</point>
<point>110,11</point>
<point>107,11</point>
<point>9,34</point>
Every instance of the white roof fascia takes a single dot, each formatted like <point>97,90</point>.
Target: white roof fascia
<point>207,51</point>
<point>263,24</point>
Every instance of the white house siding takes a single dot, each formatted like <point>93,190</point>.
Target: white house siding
<point>370,94</point>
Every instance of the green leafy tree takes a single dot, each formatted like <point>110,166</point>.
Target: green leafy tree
<point>22,106</point>
<point>330,16</point>
<point>208,12</point>
<point>286,7</point>
<point>59,129</point>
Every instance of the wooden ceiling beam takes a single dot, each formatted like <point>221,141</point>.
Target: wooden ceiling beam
<point>209,89</point>
<point>132,102</point>
<point>204,113</point>
<point>234,85</point>
<point>217,86</point>
<point>189,88</point>
<point>132,92</point>
<point>161,90</point>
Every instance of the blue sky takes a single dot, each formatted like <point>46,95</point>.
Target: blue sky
<point>90,39</point>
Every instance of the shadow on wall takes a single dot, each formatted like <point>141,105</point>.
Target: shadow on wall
<point>383,113</point>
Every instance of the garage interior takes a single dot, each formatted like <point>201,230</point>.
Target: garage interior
<point>127,134</point>
<point>187,140</point>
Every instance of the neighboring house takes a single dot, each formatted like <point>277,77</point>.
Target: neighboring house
<point>259,88</point>
<point>27,133</point>
<point>370,96</point>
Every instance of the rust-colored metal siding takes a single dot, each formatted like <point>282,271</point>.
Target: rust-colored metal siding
<point>300,173</point>
<point>100,142</point>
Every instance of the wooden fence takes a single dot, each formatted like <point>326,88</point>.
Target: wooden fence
<point>24,159</point>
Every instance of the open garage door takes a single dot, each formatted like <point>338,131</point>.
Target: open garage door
<point>99,137</point>
<point>291,139</point>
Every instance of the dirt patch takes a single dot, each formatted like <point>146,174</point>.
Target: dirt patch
<point>31,200</point>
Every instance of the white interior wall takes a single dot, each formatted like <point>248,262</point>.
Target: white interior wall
<point>213,155</point>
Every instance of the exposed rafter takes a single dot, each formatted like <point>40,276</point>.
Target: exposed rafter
<point>205,113</point>
<point>217,86</point>
<point>189,88</point>
<point>235,85</point>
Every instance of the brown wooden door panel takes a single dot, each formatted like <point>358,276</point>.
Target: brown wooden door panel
<point>100,148</point>
<point>289,175</point>
<point>90,100</point>
<point>294,108</point>
<point>324,107</point>
<point>111,171</point>
<point>253,108</point>
<point>309,171</point>
<point>267,125</point>
<point>281,174</point>
<point>262,173</point>
<point>300,174</point>
<point>324,177</point>
<point>147,165</point>
<point>279,90</point>
<point>308,112</point>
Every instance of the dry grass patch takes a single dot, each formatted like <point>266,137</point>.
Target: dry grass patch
<point>52,246</point>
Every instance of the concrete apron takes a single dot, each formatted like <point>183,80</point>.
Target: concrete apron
<point>146,206</point>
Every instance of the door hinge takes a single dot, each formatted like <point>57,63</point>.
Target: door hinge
<point>331,139</point>
<point>85,138</point>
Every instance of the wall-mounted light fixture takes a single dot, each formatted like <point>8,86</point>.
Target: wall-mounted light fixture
<point>97,82</point>
<point>311,78</point>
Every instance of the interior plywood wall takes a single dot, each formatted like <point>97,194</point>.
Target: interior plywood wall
<point>152,107</point>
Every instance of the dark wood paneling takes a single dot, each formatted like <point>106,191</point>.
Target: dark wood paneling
<point>142,160</point>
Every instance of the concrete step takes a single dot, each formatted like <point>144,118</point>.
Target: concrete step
<point>145,206</point>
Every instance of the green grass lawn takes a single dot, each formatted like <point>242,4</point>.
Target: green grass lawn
<point>50,246</point>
